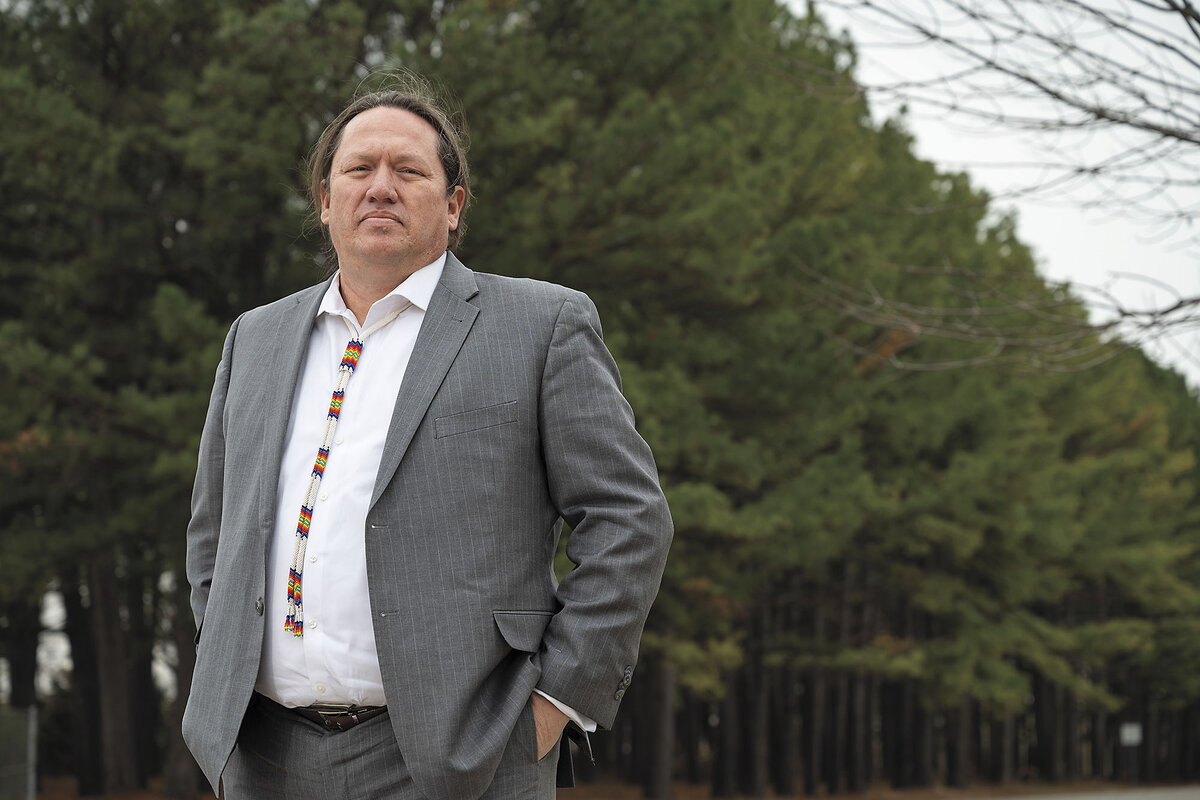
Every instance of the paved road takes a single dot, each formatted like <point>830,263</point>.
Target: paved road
<point>1146,793</point>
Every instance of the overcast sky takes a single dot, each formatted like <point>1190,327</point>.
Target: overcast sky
<point>1110,250</point>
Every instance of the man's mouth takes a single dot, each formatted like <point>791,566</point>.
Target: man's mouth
<point>381,216</point>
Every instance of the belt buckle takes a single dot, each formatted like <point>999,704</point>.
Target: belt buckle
<point>333,714</point>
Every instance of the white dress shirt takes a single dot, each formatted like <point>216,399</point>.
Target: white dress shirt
<point>335,661</point>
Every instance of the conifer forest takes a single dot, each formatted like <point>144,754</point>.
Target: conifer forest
<point>969,565</point>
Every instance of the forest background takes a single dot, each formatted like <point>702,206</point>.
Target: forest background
<point>970,569</point>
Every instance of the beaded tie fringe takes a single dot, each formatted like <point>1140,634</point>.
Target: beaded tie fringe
<point>294,621</point>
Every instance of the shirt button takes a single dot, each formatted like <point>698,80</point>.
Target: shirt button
<point>338,440</point>
<point>312,559</point>
<point>313,624</point>
<point>320,688</point>
<point>324,495</point>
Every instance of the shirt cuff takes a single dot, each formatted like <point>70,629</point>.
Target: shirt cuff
<point>587,723</point>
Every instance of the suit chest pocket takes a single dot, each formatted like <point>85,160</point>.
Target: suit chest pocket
<point>475,419</point>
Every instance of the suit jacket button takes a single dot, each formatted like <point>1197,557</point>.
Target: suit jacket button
<point>258,606</point>
<point>617,695</point>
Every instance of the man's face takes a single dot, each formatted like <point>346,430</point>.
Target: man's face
<point>385,201</point>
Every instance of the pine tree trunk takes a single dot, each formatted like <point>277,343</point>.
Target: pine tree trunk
<point>1101,766</point>
<point>874,766</point>
<point>1124,766</point>
<point>756,737</point>
<point>1149,748</point>
<point>1041,716</point>
<point>663,752</point>
<point>785,719</point>
<point>840,730</point>
<point>693,722</point>
<point>891,707</point>
<point>1190,744</point>
<point>1059,751</point>
<point>836,732</point>
<point>1072,742</point>
<point>910,731</point>
<point>85,685</point>
<point>1024,728</point>
<point>1073,738</point>
<point>975,766</point>
<point>725,761</point>
<point>143,694</point>
<point>181,775</point>
<point>814,722</point>
<point>926,772</point>
<point>1048,713</point>
<point>860,732</point>
<point>862,691</point>
<point>639,699</point>
<point>958,745</point>
<point>627,745</point>
<point>1172,770</point>
<point>785,737</point>
<point>118,741</point>
<point>814,731</point>
<point>1003,750</point>
<point>985,767</point>
<point>20,648</point>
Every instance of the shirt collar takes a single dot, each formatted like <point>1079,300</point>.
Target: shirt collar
<point>416,289</point>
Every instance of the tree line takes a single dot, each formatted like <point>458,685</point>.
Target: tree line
<point>919,577</point>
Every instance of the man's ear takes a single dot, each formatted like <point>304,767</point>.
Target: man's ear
<point>325,201</point>
<point>454,206</point>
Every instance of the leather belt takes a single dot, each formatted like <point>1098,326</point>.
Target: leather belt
<point>333,717</point>
<point>339,718</point>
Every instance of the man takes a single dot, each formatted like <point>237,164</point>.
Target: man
<point>384,472</point>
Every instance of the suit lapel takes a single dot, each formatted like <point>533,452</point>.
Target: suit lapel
<point>447,321</point>
<point>281,373</point>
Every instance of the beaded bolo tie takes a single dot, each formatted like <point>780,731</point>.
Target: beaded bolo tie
<point>295,608</point>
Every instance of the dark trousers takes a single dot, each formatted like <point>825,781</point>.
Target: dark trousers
<point>280,754</point>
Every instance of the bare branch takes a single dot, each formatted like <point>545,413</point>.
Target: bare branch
<point>1107,92</point>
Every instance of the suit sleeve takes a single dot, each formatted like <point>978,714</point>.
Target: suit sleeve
<point>603,480</point>
<point>204,528</point>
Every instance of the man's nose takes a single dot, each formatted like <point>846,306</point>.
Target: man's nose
<point>382,188</point>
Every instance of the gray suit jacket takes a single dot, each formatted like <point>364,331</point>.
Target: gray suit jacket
<point>509,421</point>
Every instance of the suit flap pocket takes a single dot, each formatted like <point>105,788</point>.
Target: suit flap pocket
<point>475,419</point>
<point>523,629</point>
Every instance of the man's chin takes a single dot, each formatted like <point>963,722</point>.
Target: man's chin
<point>383,248</point>
<point>386,258</point>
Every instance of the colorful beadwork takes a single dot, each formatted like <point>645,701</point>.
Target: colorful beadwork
<point>294,622</point>
<point>351,356</point>
<point>322,460</point>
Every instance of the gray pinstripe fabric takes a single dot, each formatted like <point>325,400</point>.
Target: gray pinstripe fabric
<point>281,756</point>
<point>510,420</point>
